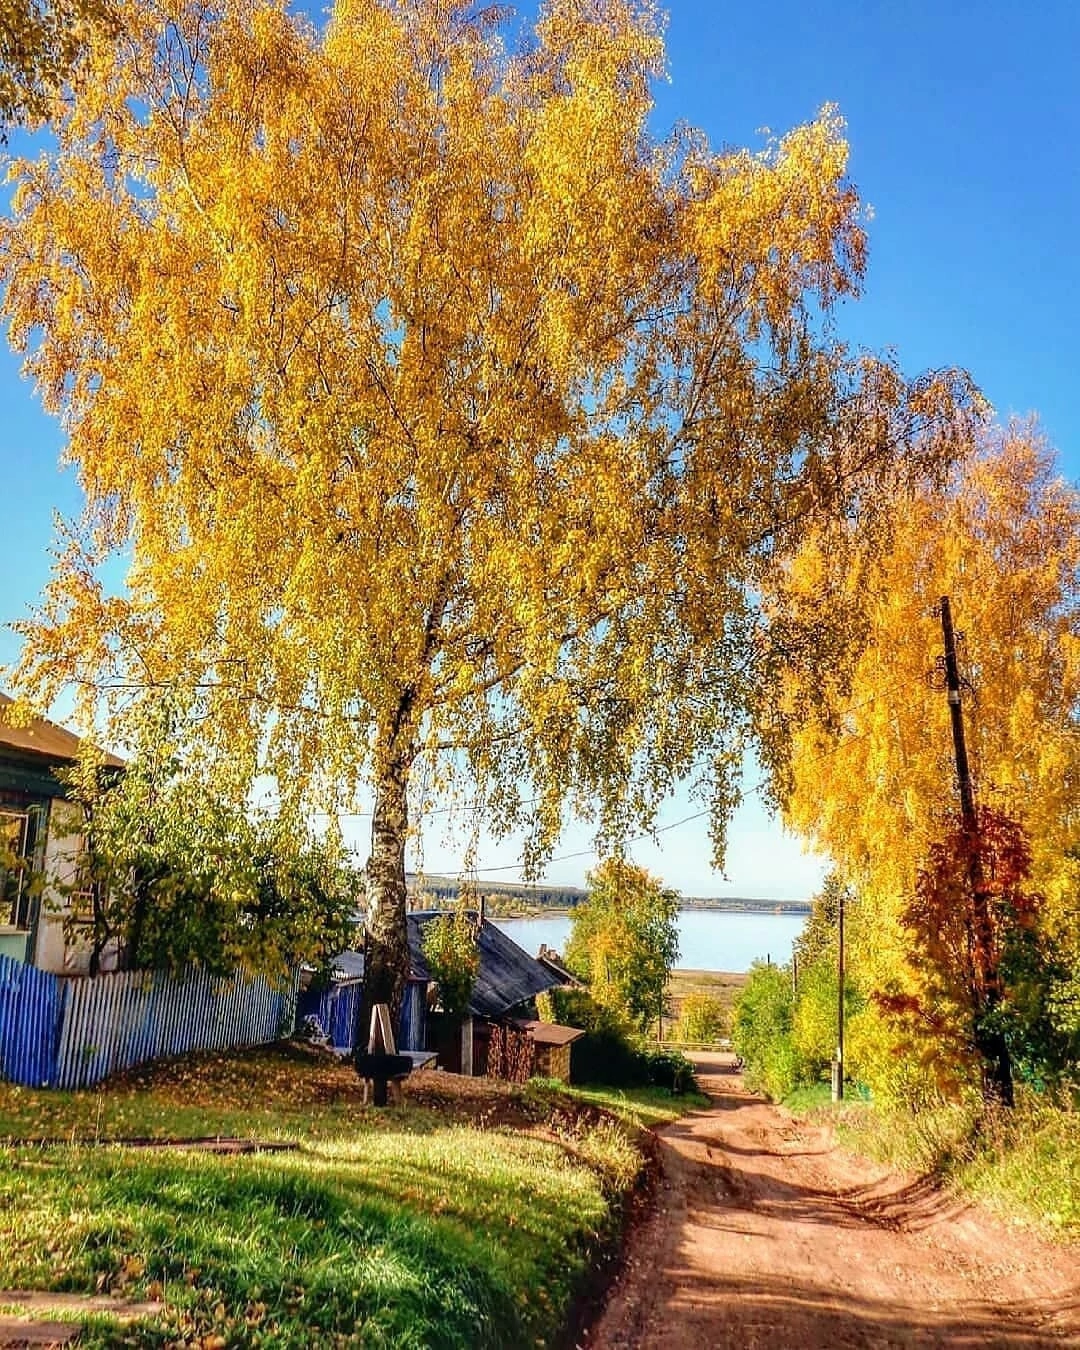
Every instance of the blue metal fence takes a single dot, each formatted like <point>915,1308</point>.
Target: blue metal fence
<point>31,1008</point>
<point>71,1033</point>
<point>413,1031</point>
<point>335,1009</point>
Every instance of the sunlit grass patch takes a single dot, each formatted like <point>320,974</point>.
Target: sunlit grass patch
<point>642,1106</point>
<point>1028,1163</point>
<point>468,1217</point>
<point>1024,1164</point>
<point>454,1238</point>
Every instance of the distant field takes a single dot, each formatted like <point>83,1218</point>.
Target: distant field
<point>721,984</point>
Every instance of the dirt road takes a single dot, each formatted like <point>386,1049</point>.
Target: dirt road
<point>767,1235</point>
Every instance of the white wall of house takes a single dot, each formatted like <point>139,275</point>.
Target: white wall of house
<point>59,947</point>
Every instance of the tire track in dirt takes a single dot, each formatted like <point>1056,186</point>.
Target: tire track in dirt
<point>766,1235</point>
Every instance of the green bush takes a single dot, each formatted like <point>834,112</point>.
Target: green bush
<point>762,1031</point>
<point>813,1025</point>
<point>702,1018</point>
<point>609,1053</point>
<point>670,1069</point>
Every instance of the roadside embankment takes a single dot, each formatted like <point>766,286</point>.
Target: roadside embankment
<point>470,1216</point>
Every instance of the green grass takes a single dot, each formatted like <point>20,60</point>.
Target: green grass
<point>644,1107</point>
<point>1023,1164</point>
<point>808,1097</point>
<point>468,1217</point>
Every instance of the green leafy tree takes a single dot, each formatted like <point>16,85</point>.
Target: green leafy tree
<point>816,957</point>
<point>702,1017</point>
<point>762,1030</point>
<point>818,940</point>
<point>177,877</point>
<point>624,939</point>
<point>453,957</point>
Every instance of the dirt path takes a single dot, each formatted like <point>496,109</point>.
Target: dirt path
<point>765,1235</point>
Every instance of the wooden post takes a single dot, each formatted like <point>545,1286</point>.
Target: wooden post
<point>467,1046</point>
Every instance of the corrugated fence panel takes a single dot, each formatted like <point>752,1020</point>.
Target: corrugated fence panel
<point>335,1008</point>
<point>343,1029</point>
<point>115,1022</point>
<point>30,1007</point>
<point>413,1028</point>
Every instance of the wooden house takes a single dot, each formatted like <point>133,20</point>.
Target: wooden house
<point>507,982</point>
<point>41,846</point>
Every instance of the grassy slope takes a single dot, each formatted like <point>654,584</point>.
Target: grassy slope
<point>1025,1165</point>
<point>467,1217</point>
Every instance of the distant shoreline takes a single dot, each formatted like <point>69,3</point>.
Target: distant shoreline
<point>762,907</point>
<point>518,900</point>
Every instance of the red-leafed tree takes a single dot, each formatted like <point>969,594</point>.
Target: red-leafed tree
<point>974,925</point>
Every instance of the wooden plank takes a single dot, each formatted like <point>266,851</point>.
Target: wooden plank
<point>18,1332</point>
<point>382,1032</point>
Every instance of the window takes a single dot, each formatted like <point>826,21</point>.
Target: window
<point>15,868</point>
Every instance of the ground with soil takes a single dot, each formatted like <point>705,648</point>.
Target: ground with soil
<point>766,1234</point>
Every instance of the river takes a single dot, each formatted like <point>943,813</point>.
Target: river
<point>709,939</point>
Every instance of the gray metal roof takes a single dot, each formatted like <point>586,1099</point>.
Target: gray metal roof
<point>508,975</point>
<point>347,966</point>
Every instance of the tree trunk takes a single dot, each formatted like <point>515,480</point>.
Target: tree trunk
<point>997,1079</point>
<point>386,961</point>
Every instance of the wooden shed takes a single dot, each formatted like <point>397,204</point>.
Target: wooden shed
<point>507,981</point>
<point>552,1041</point>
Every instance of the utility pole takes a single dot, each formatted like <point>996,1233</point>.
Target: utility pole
<point>990,1041</point>
<point>956,714</point>
<point>838,1066</point>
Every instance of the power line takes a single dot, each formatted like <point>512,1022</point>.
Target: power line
<point>697,815</point>
<point>591,852</point>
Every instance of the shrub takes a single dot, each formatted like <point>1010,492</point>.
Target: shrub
<point>670,1069</point>
<point>762,1030</point>
<point>608,1052</point>
<point>702,1017</point>
<point>813,1027</point>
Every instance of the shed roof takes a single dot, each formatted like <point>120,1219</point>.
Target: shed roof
<point>508,975</point>
<point>42,737</point>
<point>549,1033</point>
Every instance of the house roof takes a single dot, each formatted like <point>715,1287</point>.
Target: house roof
<point>43,738</point>
<point>508,975</point>
<point>554,962</point>
<point>347,966</point>
<point>549,1033</point>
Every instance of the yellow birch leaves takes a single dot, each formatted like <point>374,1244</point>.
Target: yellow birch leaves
<point>441,412</point>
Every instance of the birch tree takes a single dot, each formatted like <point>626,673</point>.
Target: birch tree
<point>450,421</point>
<point>40,45</point>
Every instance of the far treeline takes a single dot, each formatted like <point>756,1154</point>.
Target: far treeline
<point>509,900</point>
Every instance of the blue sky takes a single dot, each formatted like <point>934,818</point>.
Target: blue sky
<point>964,122</point>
